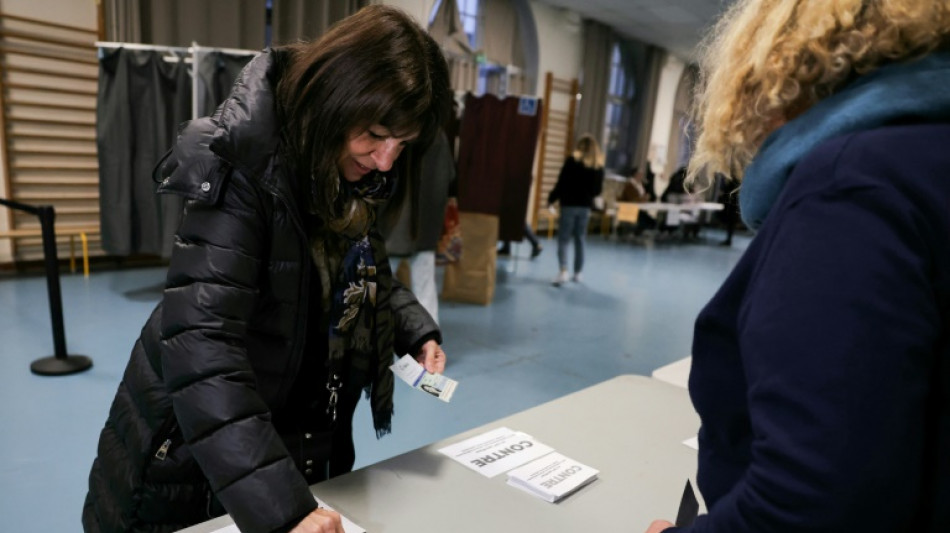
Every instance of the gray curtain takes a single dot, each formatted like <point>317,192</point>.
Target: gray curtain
<point>648,80</point>
<point>501,37</point>
<point>306,20</point>
<point>216,23</point>
<point>595,75</point>
<point>528,35</point>
<point>142,98</point>
<point>681,138</point>
<point>123,20</point>
<point>447,30</point>
<point>216,73</point>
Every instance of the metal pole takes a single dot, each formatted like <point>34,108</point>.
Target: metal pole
<point>60,363</point>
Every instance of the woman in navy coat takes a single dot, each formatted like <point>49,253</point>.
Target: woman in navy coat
<point>821,368</point>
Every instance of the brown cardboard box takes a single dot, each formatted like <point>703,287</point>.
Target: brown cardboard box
<point>472,278</point>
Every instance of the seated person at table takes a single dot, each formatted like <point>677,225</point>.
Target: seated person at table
<point>677,193</point>
<point>638,188</point>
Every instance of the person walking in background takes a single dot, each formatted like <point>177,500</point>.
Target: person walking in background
<point>416,232</point>
<point>580,181</point>
<point>536,248</point>
<point>821,367</point>
<point>279,307</point>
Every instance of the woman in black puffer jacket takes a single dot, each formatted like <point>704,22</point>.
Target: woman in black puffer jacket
<point>279,306</point>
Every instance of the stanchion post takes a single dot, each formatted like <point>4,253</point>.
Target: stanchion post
<point>60,363</point>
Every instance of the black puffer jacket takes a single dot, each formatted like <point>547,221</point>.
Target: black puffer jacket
<point>191,422</point>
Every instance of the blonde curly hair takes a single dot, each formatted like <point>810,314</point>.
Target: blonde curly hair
<point>767,61</point>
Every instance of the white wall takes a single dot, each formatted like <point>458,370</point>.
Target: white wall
<point>670,75</point>
<point>560,42</point>
<point>418,9</point>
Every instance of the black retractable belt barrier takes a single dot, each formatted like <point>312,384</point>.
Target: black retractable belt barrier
<point>61,363</point>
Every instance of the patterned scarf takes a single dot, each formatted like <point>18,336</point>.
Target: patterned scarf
<point>343,254</point>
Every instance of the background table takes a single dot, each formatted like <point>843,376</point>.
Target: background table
<point>630,428</point>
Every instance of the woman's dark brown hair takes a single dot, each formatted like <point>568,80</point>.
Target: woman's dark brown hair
<point>375,67</point>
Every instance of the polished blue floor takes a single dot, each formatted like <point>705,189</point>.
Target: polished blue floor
<point>632,313</point>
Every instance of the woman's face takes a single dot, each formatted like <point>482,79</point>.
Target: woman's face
<point>376,148</point>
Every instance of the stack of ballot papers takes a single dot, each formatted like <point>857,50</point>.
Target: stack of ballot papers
<point>496,451</point>
<point>552,477</point>
<point>531,465</point>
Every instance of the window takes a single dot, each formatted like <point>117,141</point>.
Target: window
<point>469,14</point>
<point>617,116</point>
<point>475,72</point>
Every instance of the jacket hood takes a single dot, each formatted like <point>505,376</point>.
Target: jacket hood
<point>243,131</point>
<point>247,134</point>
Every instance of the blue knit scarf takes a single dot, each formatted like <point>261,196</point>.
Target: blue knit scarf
<point>917,90</point>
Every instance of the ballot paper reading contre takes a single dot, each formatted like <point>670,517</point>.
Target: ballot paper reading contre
<point>348,525</point>
<point>552,477</point>
<point>496,451</point>
<point>410,371</point>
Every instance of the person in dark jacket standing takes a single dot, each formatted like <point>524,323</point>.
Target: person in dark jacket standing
<point>279,307</point>
<point>415,234</point>
<point>580,181</point>
<point>821,367</point>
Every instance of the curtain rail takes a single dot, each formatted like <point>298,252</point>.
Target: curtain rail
<point>140,46</point>
<point>233,51</point>
<point>163,48</point>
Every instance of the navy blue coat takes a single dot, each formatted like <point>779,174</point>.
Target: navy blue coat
<point>821,368</point>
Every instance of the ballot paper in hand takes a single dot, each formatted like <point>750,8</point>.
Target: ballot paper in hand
<point>496,451</point>
<point>410,371</point>
<point>552,477</point>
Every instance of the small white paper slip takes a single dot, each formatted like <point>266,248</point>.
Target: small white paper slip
<point>496,451</point>
<point>348,525</point>
<point>692,442</point>
<point>410,371</point>
<point>552,477</point>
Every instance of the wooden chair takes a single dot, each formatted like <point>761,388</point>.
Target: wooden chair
<point>626,212</point>
<point>550,220</point>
